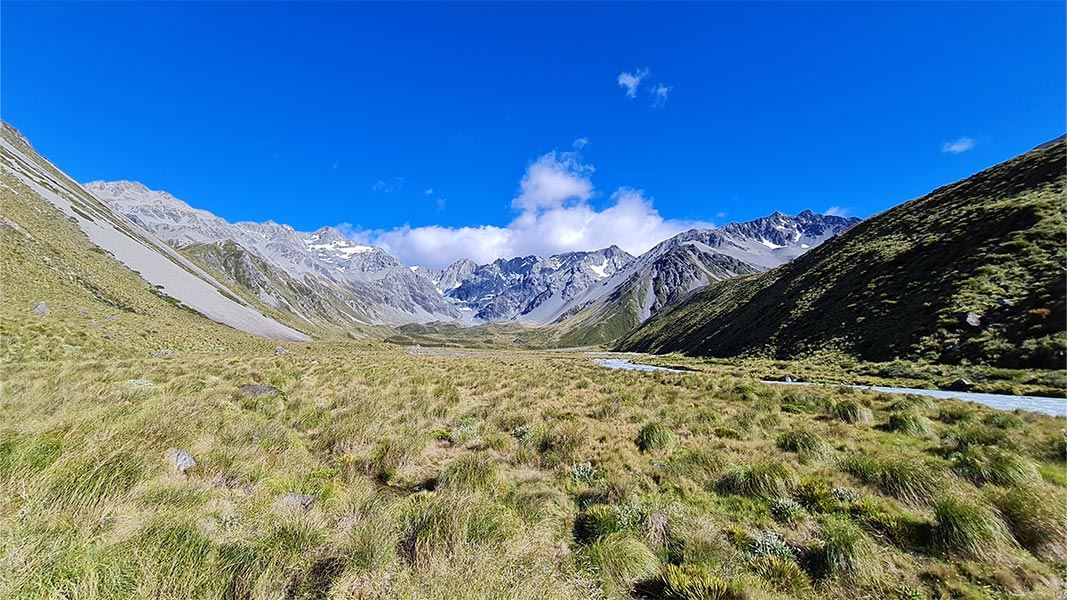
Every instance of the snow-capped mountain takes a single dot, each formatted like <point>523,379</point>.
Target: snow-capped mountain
<point>678,266</point>
<point>375,286</point>
<point>518,288</point>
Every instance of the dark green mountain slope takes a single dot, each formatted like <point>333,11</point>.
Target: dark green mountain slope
<point>972,272</point>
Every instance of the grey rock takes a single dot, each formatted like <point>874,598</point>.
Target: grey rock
<point>163,352</point>
<point>973,319</point>
<point>788,379</point>
<point>294,501</point>
<point>85,312</point>
<point>41,309</point>
<point>960,385</point>
<point>181,459</point>
<point>258,389</point>
<point>281,350</point>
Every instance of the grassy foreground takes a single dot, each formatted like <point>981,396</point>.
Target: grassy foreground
<point>358,471</point>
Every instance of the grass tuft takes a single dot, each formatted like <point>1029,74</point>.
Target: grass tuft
<point>984,464</point>
<point>852,411</point>
<point>767,479</point>
<point>1036,519</point>
<point>655,436</point>
<point>903,478</point>
<point>910,422</point>
<point>966,528</point>
<point>807,444</point>
<point>621,560</point>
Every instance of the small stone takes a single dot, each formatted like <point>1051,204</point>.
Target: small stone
<point>163,352</point>
<point>258,389</point>
<point>281,350</point>
<point>788,379</point>
<point>41,309</point>
<point>296,501</point>
<point>85,312</point>
<point>181,459</point>
<point>974,319</point>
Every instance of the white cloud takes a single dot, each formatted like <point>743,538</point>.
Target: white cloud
<point>428,192</point>
<point>388,187</point>
<point>837,211</point>
<point>659,94</point>
<point>631,81</point>
<point>580,143</point>
<point>554,216</point>
<point>958,146</point>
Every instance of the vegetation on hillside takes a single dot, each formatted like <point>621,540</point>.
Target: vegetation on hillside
<point>971,273</point>
<point>348,471</point>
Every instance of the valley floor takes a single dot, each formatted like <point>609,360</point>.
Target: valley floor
<point>372,471</point>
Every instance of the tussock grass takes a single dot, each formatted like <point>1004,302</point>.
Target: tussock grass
<point>851,410</point>
<point>966,527</point>
<point>843,550</point>
<point>621,560</point>
<point>903,478</point>
<point>1035,517</point>
<point>807,444</point>
<point>984,464</point>
<point>500,484</point>
<point>767,479</point>
<point>655,436</point>
<point>693,582</point>
<point>910,422</point>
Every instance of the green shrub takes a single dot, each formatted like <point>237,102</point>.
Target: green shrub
<point>767,479</point>
<point>621,560</point>
<point>654,436</point>
<point>852,411</point>
<point>910,422</point>
<point>965,527</point>
<point>1036,518</point>
<point>787,510</point>
<point>807,444</point>
<point>984,464</point>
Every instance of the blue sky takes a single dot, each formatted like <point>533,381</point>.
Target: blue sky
<point>315,114</point>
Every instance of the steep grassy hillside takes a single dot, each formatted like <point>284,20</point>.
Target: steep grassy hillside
<point>96,306</point>
<point>972,272</point>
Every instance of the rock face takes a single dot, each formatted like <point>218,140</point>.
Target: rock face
<point>521,288</point>
<point>181,459</point>
<point>372,283</point>
<point>677,267</point>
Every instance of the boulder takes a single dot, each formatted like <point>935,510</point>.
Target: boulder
<point>973,319</point>
<point>294,501</point>
<point>960,385</point>
<point>181,459</point>
<point>281,350</point>
<point>258,389</point>
<point>41,309</point>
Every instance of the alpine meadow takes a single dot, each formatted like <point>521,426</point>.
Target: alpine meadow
<point>755,322</point>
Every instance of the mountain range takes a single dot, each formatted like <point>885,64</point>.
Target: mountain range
<point>323,283</point>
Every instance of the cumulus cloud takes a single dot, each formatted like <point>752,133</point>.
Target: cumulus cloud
<point>958,146</point>
<point>837,211</point>
<point>580,143</point>
<point>659,94</point>
<point>554,216</point>
<point>631,81</point>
